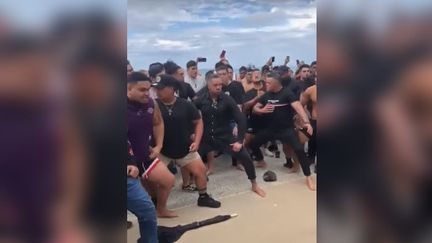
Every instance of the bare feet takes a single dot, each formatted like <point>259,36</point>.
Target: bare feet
<point>166,214</point>
<point>310,183</point>
<point>210,169</point>
<point>261,164</point>
<point>258,190</point>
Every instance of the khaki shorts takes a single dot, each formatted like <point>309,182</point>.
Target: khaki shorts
<point>182,161</point>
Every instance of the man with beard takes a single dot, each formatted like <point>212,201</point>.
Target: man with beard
<point>145,121</point>
<point>179,117</point>
<point>218,110</point>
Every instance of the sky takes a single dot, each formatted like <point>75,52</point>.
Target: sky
<point>251,31</point>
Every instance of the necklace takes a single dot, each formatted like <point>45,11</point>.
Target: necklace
<point>170,107</point>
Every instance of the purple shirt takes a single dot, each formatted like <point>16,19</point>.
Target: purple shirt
<point>140,128</point>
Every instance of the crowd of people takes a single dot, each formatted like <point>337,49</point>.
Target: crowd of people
<point>188,119</point>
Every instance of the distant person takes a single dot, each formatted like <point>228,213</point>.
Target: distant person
<point>247,82</point>
<point>193,77</point>
<point>242,73</point>
<point>185,90</point>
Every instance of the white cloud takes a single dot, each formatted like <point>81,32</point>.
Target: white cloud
<point>157,31</point>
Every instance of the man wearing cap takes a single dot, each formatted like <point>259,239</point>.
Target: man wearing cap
<point>144,122</point>
<point>179,117</point>
<point>277,104</point>
<point>155,69</point>
<point>218,110</point>
<point>192,77</point>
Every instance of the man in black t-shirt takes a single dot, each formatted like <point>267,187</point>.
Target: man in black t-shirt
<point>233,89</point>
<point>255,122</point>
<point>278,104</point>
<point>236,91</point>
<point>179,117</point>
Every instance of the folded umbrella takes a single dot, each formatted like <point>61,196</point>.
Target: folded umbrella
<point>173,234</point>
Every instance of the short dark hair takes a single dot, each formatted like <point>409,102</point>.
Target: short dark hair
<point>212,76</point>
<point>265,68</point>
<point>229,67</point>
<point>274,75</point>
<point>191,63</point>
<point>303,66</point>
<point>313,63</point>
<point>242,69</point>
<point>171,67</point>
<point>138,76</point>
<point>221,67</point>
<point>282,70</point>
<point>220,64</point>
<point>208,74</point>
<point>155,68</point>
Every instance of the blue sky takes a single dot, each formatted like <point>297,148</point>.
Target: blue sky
<point>249,30</point>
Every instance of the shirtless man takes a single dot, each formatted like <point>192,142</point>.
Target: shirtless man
<point>247,81</point>
<point>309,99</point>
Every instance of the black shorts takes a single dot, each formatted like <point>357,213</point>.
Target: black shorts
<point>253,128</point>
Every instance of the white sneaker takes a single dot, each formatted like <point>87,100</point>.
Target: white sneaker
<point>268,153</point>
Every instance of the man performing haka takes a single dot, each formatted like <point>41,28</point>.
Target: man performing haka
<point>180,116</point>
<point>218,110</point>
<point>277,104</point>
<point>144,119</point>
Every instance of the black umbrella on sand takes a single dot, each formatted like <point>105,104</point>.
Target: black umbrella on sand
<point>173,234</point>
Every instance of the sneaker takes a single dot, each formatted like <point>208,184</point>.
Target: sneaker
<point>189,188</point>
<point>268,153</point>
<point>273,147</point>
<point>207,201</point>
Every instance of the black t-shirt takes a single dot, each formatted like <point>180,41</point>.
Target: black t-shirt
<point>254,121</point>
<point>236,91</point>
<point>296,86</point>
<point>282,116</point>
<point>185,91</point>
<point>178,122</point>
<point>218,116</point>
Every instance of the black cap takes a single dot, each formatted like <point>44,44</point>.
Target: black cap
<point>165,80</point>
<point>269,176</point>
<point>155,68</point>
